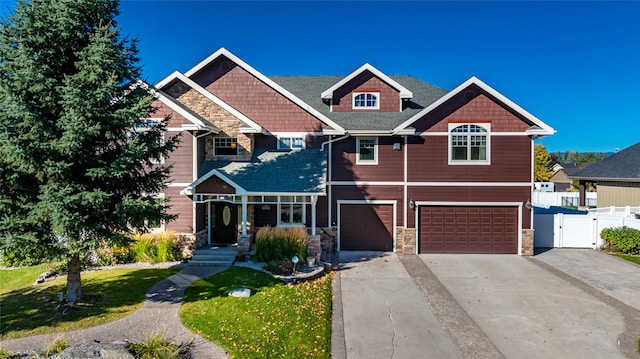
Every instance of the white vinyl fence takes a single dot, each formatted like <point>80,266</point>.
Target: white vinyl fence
<point>561,230</point>
<point>565,199</point>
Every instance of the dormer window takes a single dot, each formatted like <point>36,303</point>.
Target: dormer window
<point>366,100</point>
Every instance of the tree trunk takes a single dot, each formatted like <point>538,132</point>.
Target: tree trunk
<point>74,288</point>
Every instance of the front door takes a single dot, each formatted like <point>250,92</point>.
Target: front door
<point>225,223</point>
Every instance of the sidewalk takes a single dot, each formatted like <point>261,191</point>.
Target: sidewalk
<point>159,314</point>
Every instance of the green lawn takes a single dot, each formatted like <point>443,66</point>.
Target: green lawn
<point>278,321</point>
<point>30,309</point>
<point>630,258</point>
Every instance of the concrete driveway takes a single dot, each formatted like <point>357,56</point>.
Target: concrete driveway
<point>481,306</point>
<point>527,311</point>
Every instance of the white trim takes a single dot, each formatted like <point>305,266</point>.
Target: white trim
<point>296,134</point>
<point>477,204</point>
<point>430,184</point>
<point>404,93</point>
<point>224,52</point>
<point>354,94</point>
<point>544,128</point>
<point>178,184</point>
<point>372,162</point>
<point>191,186</point>
<point>438,134</point>
<point>405,192</point>
<point>364,202</point>
<point>176,129</point>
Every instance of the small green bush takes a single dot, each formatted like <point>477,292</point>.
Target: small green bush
<point>623,239</point>
<point>58,346</point>
<point>278,244</point>
<point>5,354</point>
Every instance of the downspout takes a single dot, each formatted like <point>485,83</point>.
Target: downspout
<point>333,140</point>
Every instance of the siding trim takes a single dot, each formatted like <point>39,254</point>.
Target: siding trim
<point>430,184</point>
<point>480,204</point>
<point>366,201</point>
<point>433,134</point>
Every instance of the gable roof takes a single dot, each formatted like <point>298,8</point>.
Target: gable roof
<point>623,166</point>
<point>404,93</point>
<point>308,87</point>
<point>224,52</point>
<point>256,176</point>
<point>539,129</point>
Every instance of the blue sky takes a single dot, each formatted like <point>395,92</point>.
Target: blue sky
<point>574,64</point>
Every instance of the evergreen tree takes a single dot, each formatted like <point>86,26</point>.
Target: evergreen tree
<point>73,168</point>
<point>541,164</point>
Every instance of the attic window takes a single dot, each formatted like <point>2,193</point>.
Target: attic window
<point>366,100</point>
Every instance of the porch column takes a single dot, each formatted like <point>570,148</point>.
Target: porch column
<point>314,201</point>
<point>244,215</point>
<point>209,222</point>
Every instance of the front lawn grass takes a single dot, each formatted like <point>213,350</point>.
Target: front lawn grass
<point>29,309</point>
<point>277,321</point>
<point>630,258</point>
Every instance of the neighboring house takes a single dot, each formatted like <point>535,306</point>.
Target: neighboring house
<point>562,173</point>
<point>617,178</point>
<point>379,162</point>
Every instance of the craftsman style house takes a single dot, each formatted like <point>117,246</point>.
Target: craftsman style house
<point>380,162</point>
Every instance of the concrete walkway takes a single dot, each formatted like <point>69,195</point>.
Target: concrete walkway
<point>159,314</point>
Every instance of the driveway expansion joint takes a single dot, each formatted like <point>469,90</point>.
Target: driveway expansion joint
<point>471,341</point>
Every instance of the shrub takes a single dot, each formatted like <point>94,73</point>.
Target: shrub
<point>155,247</point>
<point>4,354</point>
<point>283,267</point>
<point>278,244</point>
<point>156,347</point>
<point>623,239</point>
<point>58,346</point>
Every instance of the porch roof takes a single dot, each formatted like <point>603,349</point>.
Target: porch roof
<point>272,172</point>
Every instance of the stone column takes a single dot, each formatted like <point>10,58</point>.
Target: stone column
<point>527,242</point>
<point>244,245</point>
<point>314,249</point>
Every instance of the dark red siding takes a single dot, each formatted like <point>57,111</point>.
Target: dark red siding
<point>182,206</point>
<point>389,167</point>
<point>215,185</point>
<point>468,229</point>
<point>162,110</point>
<point>366,82</point>
<point>181,159</point>
<point>510,158</point>
<point>255,99</point>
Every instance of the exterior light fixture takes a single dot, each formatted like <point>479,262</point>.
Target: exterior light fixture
<point>412,204</point>
<point>397,146</point>
<point>295,261</point>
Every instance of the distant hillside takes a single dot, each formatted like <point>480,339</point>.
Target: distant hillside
<point>578,157</point>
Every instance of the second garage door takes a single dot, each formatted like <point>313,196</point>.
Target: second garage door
<point>366,227</point>
<point>468,229</point>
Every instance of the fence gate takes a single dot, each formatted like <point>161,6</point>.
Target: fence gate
<point>575,231</point>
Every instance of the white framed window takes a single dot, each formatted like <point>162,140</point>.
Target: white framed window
<point>366,100</point>
<point>469,143</point>
<point>285,143</point>
<point>291,214</point>
<point>367,150</point>
<point>225,146</point>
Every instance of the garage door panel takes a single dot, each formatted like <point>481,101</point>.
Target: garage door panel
<point>468,229</point>
<point>366,227</point>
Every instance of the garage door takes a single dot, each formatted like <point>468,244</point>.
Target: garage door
<point>366,227</point>
<point>468,229</point>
